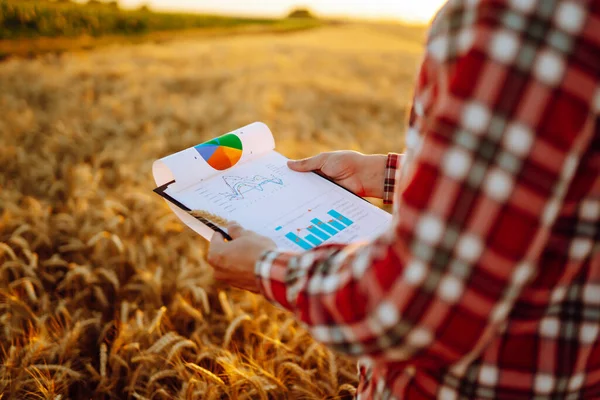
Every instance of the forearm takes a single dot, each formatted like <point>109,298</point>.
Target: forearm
<point>404,296</point>
<point>445,277</point>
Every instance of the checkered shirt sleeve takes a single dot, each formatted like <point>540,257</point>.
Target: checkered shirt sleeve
<point>500,122</point>
<point>389,183</point>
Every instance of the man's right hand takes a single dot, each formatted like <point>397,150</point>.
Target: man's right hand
<point>360,173</point>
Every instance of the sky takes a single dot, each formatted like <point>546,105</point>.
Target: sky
<point>407,10</point>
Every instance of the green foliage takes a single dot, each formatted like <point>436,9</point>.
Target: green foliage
<point>25,18</point>
<point>301,13</point>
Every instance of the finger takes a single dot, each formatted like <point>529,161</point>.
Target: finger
<point>308,164</point>
<point>217,244</point>
<point>235,230</point>
<point>216,239</point>
<point>220,276</point>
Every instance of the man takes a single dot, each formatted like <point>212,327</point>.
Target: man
<point>487,284</point>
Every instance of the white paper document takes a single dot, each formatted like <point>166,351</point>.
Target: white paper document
<point>240,177</point>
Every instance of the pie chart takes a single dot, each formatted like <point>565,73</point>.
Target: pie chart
<point>222,152</point>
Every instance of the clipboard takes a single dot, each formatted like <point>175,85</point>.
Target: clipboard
<point>161,192</point>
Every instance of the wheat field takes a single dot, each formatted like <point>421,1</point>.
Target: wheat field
<point>104,294</point>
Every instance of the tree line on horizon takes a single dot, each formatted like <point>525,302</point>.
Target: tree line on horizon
<point>65,18</point>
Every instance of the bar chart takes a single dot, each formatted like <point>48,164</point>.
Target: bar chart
<point>319,231</point>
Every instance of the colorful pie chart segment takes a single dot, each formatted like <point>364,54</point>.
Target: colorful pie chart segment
<point>222,152</point>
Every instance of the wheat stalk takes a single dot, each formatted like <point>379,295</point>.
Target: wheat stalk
<point>93,371</point>
<point>346,387</point>
<point>164,342</point>
<point>201,293</point>
<point>180,345</point>
<point>124,312</point>
<point>349,376</point>
<point>169,373</point>
<point>225,305</point>
<point>57,368</point>
<point>260,388</point>
<point>214,218</point>
<point>205,373</point>
<point>156,321</point>
<point>103,360</point>
<point>233,326</point>
<point>139,318</point>
<point>115,358</point>
<point>188,309</point>
<point>8,250</point>
<point>110,276</point>
<point>132,346</point>
<point>100,296</point>
<point>333,370</point>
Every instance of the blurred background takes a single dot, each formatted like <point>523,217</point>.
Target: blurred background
<point>103,293</point>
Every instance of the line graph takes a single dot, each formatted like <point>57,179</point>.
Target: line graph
<point>240,186</point>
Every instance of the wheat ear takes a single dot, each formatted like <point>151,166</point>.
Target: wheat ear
<point>103,350</point>
<point>205,373</point>
<point>215,219</point>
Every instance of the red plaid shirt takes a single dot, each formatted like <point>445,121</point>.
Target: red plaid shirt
<point>487,284</point>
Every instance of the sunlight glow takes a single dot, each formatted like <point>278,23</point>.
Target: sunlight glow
<point>406,10</point>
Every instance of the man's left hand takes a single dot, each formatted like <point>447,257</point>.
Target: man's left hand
<point>234,260</point>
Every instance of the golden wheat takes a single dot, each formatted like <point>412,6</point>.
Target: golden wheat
<point>103,360</point>
<point>103,292</point>
<point>205,373</point>
<point>214,218</point>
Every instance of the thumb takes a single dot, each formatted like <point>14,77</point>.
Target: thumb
<point>308,164</point>
<point>235,230</point>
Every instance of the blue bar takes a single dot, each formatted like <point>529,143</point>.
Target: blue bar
<point>337,225</point>
<point>324,226</point>
<point>298,241</point>
<point>313,239</point>
<point>278,228</point>
<point>339,216</point>
<point>318,232</point>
